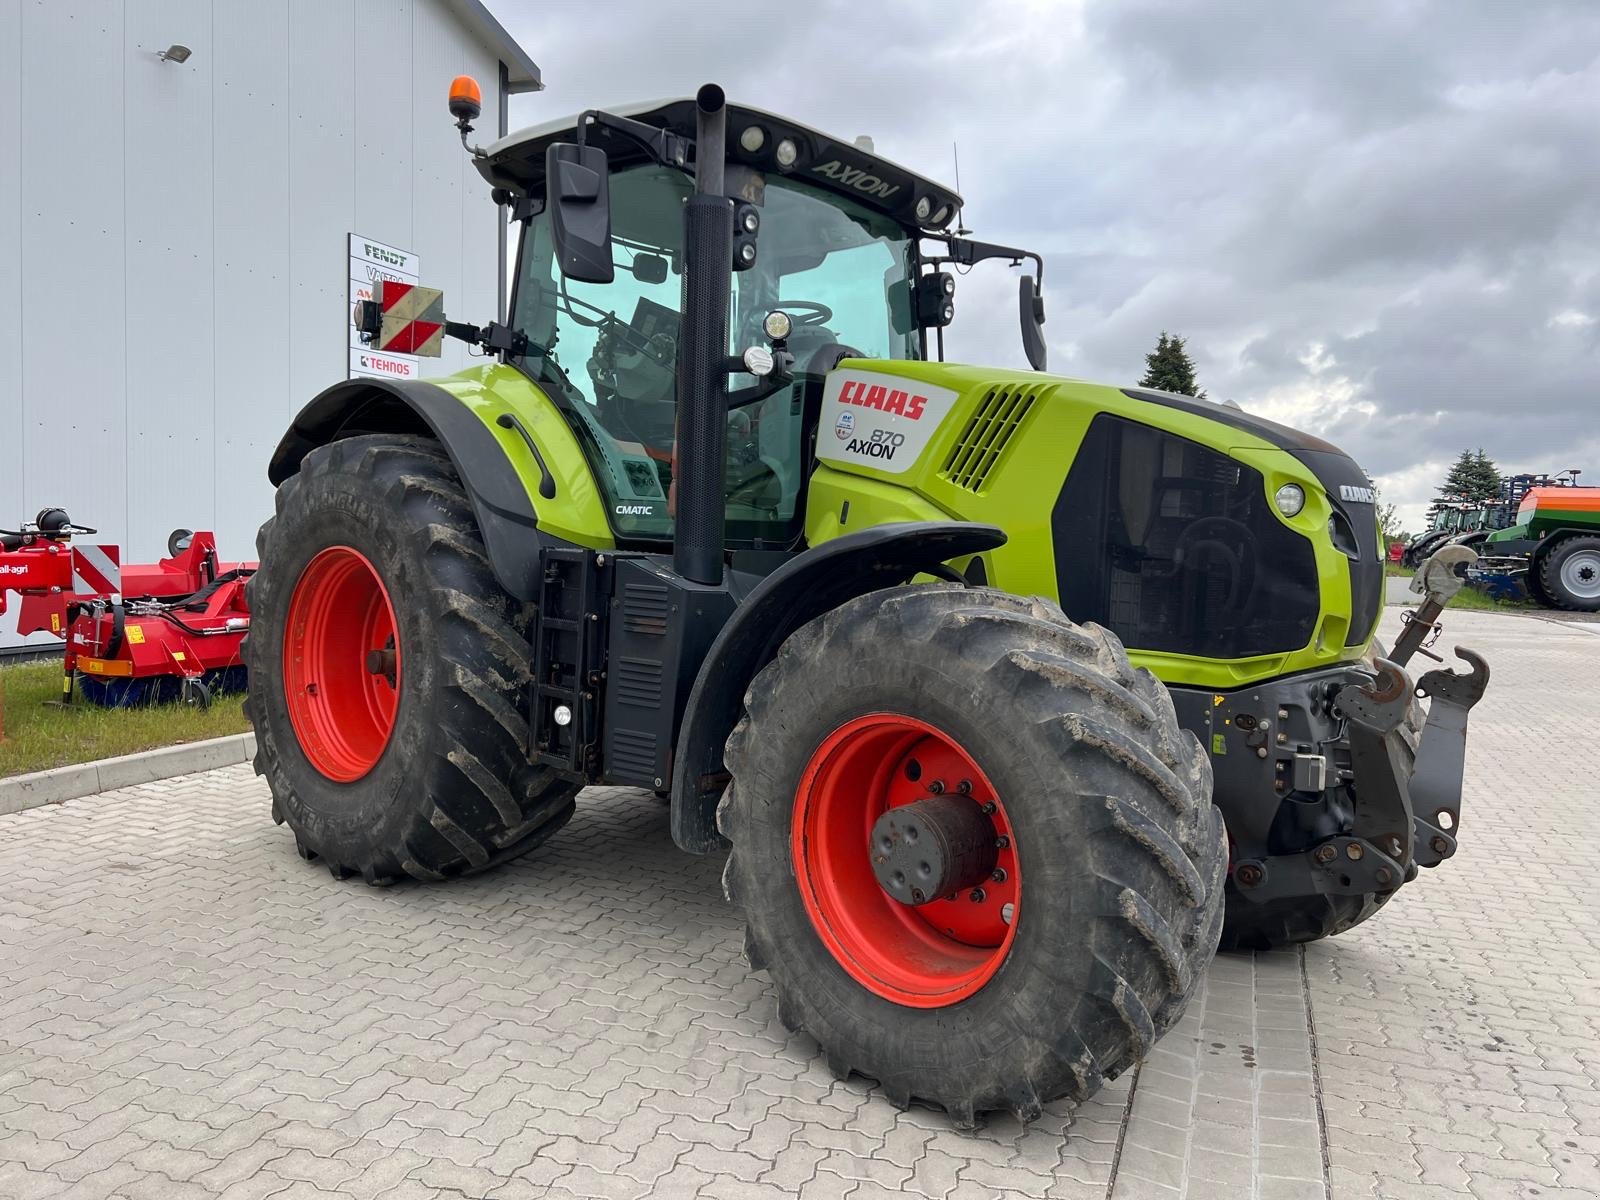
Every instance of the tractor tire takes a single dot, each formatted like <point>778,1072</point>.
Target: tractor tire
<point>1569,573</point>
<point>1267,926</point>
<point>388,672</point>
<point>1535,585</point>
<point>1082,945</point>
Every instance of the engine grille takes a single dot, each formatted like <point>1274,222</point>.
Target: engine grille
<point>995,422</point>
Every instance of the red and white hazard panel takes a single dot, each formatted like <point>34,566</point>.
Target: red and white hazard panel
<point>96,570</point>
<point>413,318</point>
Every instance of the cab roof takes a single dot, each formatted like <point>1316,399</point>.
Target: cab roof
<point>834,164</point>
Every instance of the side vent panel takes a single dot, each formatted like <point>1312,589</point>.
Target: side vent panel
<point>995,422</point>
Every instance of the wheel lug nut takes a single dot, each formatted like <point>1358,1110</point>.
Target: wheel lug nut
<point>976,896</point>
<point>937,787</point>
<point>990,809</point>
<point>1002,842</point>
<point>999,875</point>
<point>964,787</point>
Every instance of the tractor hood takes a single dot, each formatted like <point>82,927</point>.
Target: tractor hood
<point>1162,522</point>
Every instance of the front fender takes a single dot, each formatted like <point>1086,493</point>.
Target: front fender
<point>497,470</point>
<point>805,587</point>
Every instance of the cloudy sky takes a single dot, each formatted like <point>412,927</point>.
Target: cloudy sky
<point>1377,221</point>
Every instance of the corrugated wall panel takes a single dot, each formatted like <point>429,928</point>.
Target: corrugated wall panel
<point>322,198</point>
<point>452,196</point>
<point>74,381</point>
<point>186,290</point>
<point>382,67</point>
<point>12,499</point>
<point>250,286</point>
<point>169,251</point>
<point>13,483</point>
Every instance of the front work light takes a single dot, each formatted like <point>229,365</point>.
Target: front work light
<point>777,324</point>
<point>1289,499</point>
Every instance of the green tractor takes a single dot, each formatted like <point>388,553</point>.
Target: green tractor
<point>1553,548</point>
<point>1007,696</point>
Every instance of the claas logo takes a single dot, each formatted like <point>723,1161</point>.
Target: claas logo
<point>884,399</point>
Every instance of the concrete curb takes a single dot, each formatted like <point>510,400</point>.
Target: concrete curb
<point>22,792</point>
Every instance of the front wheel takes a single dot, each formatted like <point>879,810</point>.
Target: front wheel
<point>974,850</point>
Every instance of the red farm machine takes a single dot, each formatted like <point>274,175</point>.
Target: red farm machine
<point>134,633</point>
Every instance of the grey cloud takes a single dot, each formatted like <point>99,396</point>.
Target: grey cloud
<point>1380,220</point>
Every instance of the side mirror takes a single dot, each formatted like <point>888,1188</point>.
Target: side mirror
<point>578,190</point>
<point>1031,309</point>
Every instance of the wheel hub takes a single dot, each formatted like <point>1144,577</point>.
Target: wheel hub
<point>1581,574</point>
<point>924,953</point>
<point>932,848</point>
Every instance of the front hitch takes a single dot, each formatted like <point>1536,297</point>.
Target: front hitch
<point>1406,814</point>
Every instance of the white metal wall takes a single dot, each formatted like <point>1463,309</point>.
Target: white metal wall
<point>173,257</point>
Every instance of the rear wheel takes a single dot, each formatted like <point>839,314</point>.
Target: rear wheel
<point>1569,573</point>
<point>388,672</point>
<point>974,850</point>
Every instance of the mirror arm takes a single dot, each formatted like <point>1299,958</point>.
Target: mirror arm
<point>664,146</point>
<point>493,337</point>
<point>965,252</point>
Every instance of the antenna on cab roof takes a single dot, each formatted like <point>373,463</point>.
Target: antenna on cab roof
<point>961,213</point>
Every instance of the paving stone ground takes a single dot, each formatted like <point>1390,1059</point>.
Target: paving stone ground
<point>189,1010</point>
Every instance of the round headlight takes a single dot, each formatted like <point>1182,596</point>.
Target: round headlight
<point>943,215</point>
<point>777,325</point>
<point>753,138</point>
<point>924,208</point>
<point>1289,499</point>
<point>787,153</point>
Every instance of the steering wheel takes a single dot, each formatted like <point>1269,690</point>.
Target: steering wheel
<point>815,312</point>
<point>1219,535</point>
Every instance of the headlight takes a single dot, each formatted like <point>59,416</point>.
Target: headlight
<point>777,325</point>
<point>1289,499</point>
<point>788,153</point>
<point>753,138</point>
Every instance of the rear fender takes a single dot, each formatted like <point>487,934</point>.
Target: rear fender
<point>500,499</point>
<point>805,587</point>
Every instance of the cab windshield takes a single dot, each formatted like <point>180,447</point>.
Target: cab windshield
<point>607,352</point>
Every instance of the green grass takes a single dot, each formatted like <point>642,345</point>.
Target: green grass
<point>38,734</point>
<point>1394,568</point>
<point>1480,601</point>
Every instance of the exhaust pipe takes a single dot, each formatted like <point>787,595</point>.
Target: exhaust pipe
<point>702,434</point>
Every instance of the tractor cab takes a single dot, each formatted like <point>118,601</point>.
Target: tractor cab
<point>827,263</point>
